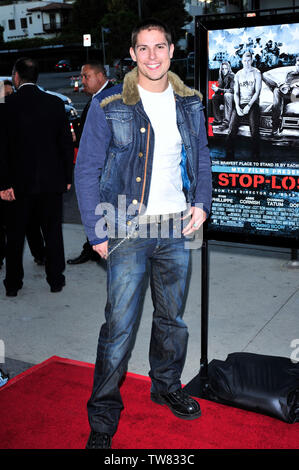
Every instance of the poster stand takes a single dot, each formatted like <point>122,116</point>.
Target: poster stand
<point>247,390</point>
<point>254,200</point>
<point>294,262</point>
<point>264,384</point>
<point>197,386</point>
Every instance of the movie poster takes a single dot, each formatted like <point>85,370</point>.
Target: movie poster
<point>253,128</point>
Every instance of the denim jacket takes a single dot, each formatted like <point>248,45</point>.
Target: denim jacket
<point>114,163</point>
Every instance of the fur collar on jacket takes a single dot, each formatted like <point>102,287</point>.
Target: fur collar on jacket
<point>130,94</point>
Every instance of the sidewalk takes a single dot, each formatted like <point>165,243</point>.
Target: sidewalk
<point>254,307</point>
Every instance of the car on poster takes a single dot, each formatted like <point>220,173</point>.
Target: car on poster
<point>289,120</point>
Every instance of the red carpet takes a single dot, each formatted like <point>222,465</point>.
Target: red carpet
<point>45,408</point>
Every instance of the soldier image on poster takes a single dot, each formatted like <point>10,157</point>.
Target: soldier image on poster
<point>247,88</point>
<point>224,95</point>
<point>282,95</point>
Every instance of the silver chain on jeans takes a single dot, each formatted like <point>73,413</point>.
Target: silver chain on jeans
<point>130,235</point>
<point>117,245</point>
<point>147,219</point>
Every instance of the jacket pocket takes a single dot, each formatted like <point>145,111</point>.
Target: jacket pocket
<point>121,124</point>
<point>193,114</point>
<point>106,174</point>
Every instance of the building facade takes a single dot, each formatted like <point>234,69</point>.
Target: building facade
<point>206,7</point>
<point>203,7</point>
<point>30,19</point>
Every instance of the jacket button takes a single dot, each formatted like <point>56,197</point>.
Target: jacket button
<point>138,179</point>
<point>135,201</point>
<point>142,130</point>
<point>140,154</point>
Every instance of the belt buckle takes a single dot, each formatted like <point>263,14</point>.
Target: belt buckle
<point>158,219</point>
<point>162,218</point>
<point>166,217</point>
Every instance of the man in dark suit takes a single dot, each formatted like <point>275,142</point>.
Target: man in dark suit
<point>95,81</point>
<point>6,89</point>
<point>36,168</point>
<point>33,232</point>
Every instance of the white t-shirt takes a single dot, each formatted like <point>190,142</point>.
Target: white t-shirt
<point>166,190</point>
<point>247,83</point>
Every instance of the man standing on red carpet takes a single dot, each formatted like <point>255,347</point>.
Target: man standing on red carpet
<point>143,181</point>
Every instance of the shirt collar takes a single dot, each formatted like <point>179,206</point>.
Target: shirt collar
<point>29,83</point>
<point>100,89</point>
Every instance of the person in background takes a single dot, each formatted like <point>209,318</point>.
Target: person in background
<point>6,89</point>
<point>33,231</point>
<point>36,168</point>
<point>94,81</point>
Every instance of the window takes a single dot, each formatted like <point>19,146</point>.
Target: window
<point>24,23</point>
<point>11,24</point>
<point>30,19</point>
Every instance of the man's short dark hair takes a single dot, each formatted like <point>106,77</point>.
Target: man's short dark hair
<point>247,54</point>
<point>8,82</point>
<point>97,66</point>
<point>27,69</point>
<point>148,24</point>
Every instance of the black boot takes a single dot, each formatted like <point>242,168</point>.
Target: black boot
<point>82,258</point>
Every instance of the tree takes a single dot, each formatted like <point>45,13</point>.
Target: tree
<point>120,16</point>
<point>123,15</point>
<point>171,12</point>
<point>120,20</point>
<point>87,16</point>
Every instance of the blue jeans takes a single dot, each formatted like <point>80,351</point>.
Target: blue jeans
<point>166,261</point>
<point>253,119</point>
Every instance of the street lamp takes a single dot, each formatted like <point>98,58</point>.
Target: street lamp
<point>104,30</point>
<point>139,9</point>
